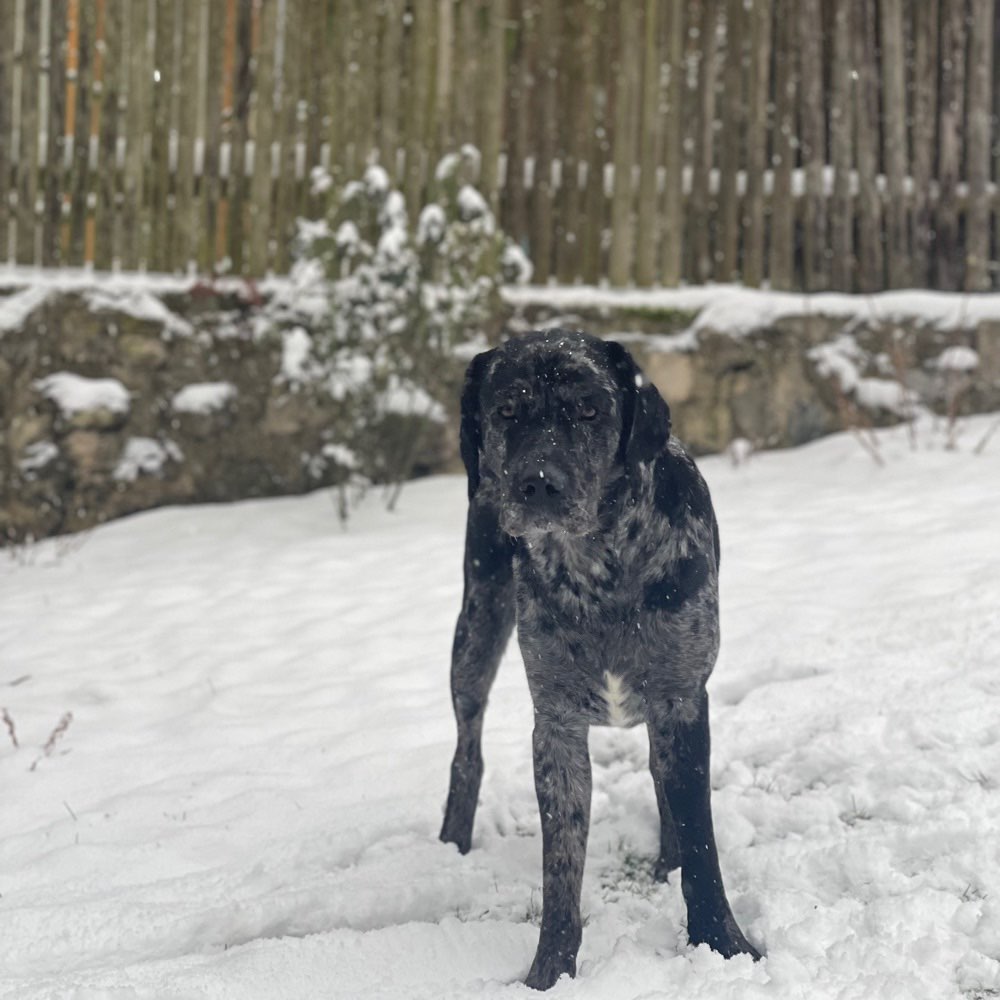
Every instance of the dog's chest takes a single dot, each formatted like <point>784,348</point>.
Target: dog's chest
<point>621,704</point>
<point>580,624</point>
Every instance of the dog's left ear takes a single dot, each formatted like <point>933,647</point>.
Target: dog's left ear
<point>470,435</point>
<point>646,423</point>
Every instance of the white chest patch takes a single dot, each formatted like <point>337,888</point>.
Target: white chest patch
<point>616,697</point>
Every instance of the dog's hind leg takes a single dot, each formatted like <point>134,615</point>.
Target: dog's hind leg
<point>670,852</point>
<point>484,626</point>
<point>680,738</point>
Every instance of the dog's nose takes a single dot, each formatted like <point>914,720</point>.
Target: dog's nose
<point>542,486</point>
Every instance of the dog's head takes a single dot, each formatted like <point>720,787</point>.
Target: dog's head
<point>551,422</point>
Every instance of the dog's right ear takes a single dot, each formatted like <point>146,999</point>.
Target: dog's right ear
<point>470,433</point>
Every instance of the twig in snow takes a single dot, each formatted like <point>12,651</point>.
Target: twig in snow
<point>985,440</point>
<point>54,737</point>
<point>11,731</point>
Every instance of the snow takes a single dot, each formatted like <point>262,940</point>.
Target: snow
<point>471,204</point>
<point>320,180</point>
<point>144,456</point>
<point>957,358</point>
<point>377,180</point>
<point>74,393</point>
<point>203,397</point>
<point>726,308</point>
<point>141,304</point>
<point>885,394</point>
<point>297,363</point>
<point>16,308</point>
<point>38,455</point>
<point>516,266</point>
<point>341,454</point>
<point>431,225</point>
<point>348,238</point>
<point>736,310</point>
<point>405,398</point>
<point>245,802</point>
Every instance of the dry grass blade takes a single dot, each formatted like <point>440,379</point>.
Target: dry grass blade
<point>54,737</point>
<point>11,731</point>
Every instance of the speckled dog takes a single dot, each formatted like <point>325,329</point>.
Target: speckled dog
<point>591,527</point>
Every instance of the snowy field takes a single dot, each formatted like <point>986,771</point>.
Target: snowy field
<point>245,801</point>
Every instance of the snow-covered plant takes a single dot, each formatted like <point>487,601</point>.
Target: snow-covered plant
<point>403,300</point>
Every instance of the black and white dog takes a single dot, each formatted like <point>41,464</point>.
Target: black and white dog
<point>591,528</point>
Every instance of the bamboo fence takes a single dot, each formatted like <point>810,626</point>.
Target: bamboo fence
<point>804,144</point>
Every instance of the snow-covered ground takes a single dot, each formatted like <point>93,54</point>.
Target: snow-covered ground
<point>245,800</point>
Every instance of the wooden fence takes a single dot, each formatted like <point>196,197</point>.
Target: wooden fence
<point>847,144</point>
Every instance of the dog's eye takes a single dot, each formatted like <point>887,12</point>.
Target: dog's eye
<point>506,411</point>
<point>587,412</point>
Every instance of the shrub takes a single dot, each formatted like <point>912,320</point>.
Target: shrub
<point>398,309</point>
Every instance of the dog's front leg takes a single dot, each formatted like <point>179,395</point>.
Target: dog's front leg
<point>484,626</point>
<point>679,737</point>
<point>563,784</point>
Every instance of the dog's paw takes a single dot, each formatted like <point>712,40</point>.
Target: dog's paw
<point>725,937</point>
<point>664,866</point>
<point>546,970</point>
<point>457,826</point>
<point>460,838</point>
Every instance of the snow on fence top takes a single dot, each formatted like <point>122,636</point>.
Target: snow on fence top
<point>736,310</point>
<point>728,309</point>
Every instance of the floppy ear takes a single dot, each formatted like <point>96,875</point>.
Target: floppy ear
<point>646,417</point>
<point>469,436</point>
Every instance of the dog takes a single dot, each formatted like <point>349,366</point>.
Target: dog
<point>592,529</point>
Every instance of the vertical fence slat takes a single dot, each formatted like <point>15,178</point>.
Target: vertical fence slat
<point>43,127</point>
<point>649,150</point>
<point>594,203</point>
<point>894,140</point>
<point>263,125</point>
<point>870,254</point>
<point>391,37</point>
<point>94,135</point>
<point>545,108</point>
<point>841,150</point>
<point>107,180</point>
<point>700,211</point>
<point>813,143</point>
<point>980,109</point>
<point>515,206</point>
<point>16,122</point>
<point>925,76</point>
<point>6,87</point>
<point>494,81</point>
<point>287,182</point>
<point>227,112</point>
<point>579,90</point>
<point>116,140</point>
<point>445,75</point>
<point>753,213</point>
<point>421,47</point>
<point>731,143</point>
<point>951,110</point>
<point>782,259</point>
<point>626,86</point>
<point>673,162</point>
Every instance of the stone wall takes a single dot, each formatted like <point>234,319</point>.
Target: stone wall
<point>117,399</point>
<point>210,410</point>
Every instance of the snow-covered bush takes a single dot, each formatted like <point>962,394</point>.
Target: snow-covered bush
<point>404,301</point>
